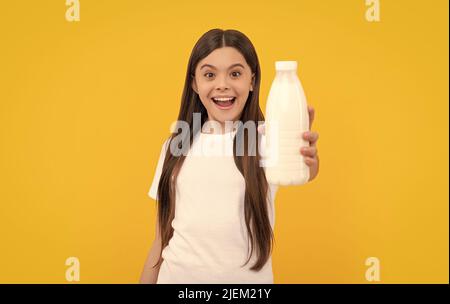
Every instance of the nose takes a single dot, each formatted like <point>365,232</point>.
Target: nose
<point>222,83</point>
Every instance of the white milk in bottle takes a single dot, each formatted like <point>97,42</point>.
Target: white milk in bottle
<point>286,120</point>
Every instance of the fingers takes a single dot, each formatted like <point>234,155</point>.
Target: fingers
<point>311,113</point>
<point>310,161</point>
<point>309,151</point>
<point>311,136</point>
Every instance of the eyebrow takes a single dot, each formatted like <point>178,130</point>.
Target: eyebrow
<point>213,67</point>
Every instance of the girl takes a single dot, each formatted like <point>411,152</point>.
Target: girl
<point>215,211</point>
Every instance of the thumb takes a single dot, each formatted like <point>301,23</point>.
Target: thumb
<point>262,129</point>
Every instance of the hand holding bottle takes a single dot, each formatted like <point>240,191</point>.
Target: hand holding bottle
<point>310,153</point>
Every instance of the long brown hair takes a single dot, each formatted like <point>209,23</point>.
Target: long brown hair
<point>256,187</point>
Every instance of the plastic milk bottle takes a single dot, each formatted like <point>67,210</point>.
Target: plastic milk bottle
<point>286,120</point>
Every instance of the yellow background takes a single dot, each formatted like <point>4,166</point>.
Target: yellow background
<point>85,107</point>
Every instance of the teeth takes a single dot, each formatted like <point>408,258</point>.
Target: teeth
<point>223,99</point>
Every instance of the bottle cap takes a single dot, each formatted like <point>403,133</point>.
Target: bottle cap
<point>285,65</point>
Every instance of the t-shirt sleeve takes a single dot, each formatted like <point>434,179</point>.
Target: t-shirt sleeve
<point>152,193</point>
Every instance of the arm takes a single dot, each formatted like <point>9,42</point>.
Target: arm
<point>149,274</point>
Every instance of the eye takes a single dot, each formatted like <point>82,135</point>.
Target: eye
<point>236,74</point>
<point>206,74</point>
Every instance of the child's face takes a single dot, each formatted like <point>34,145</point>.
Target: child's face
<point>217,75</point>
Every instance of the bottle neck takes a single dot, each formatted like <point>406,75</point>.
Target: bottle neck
<point>286,71</point>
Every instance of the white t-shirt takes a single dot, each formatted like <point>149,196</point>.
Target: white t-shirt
<point>210,240</point>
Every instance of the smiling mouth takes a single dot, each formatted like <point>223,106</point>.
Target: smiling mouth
<point>224,103</point>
